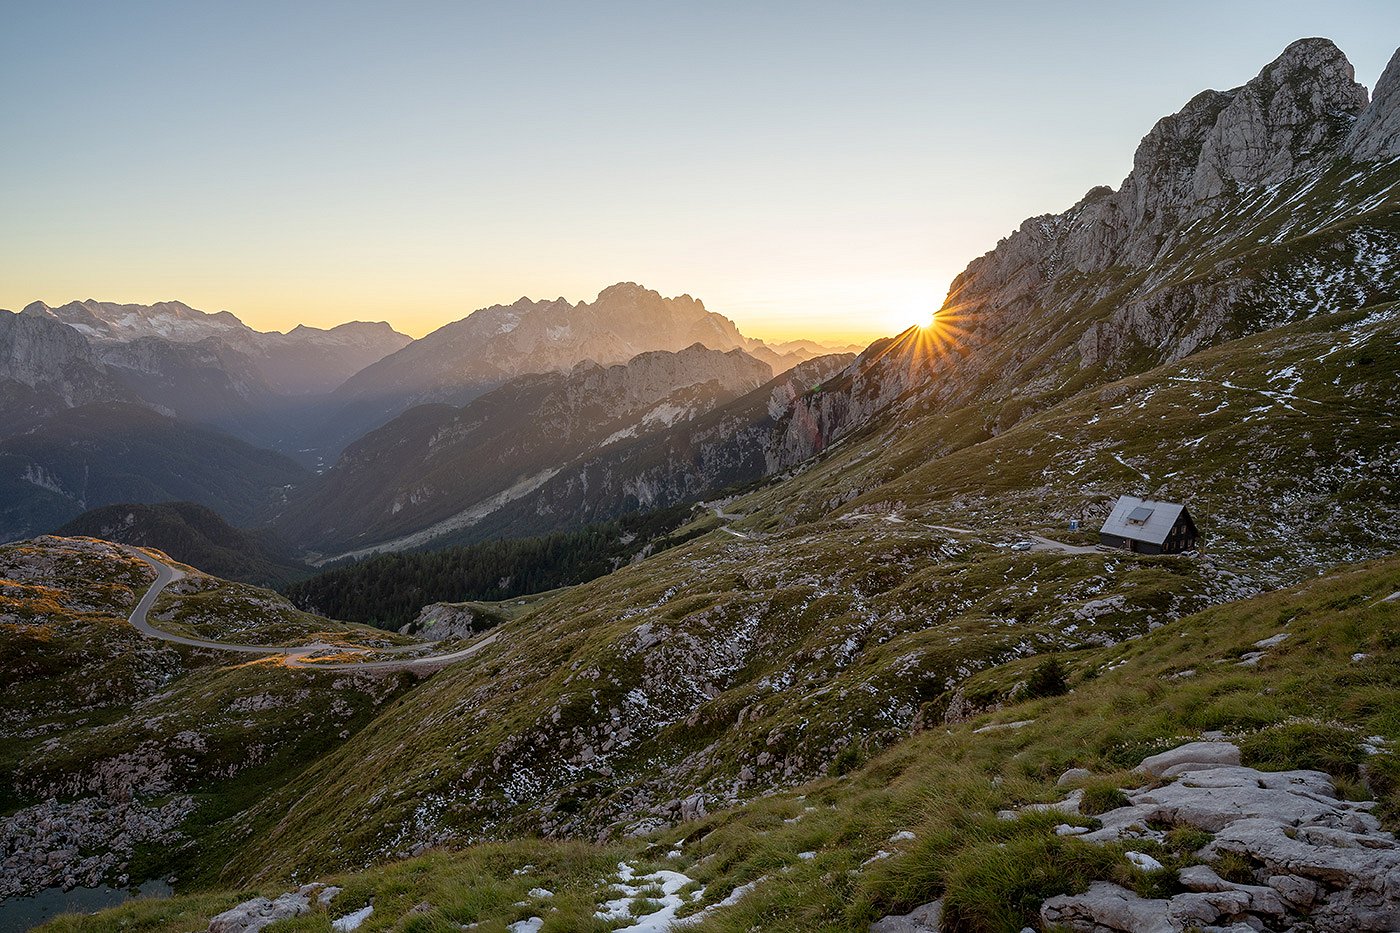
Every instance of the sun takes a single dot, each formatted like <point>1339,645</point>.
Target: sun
<point>913,306</point>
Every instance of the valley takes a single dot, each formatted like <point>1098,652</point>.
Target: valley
<point>605,617</point>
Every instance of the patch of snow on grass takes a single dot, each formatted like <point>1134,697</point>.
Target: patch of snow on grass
<point>631,885</point>
<point>352,921</point>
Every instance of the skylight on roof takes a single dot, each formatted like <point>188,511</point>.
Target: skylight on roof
<point>1139,515</point>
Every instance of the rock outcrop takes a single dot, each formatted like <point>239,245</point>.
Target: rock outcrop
<point>1321,863</point>
<point>1376,134</point>
<point>260,912</point>
<point>440,621</point>
<point>1288,119</point>
<point>84,842</point>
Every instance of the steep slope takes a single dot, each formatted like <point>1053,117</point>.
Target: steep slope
<point>729,446</point>
<point>205,382</point>
<point>461,360</point>
<point>107,453</point>
<point>195,535</point>
<point>861,605</point>
<point>436,469</point>
<point>46,367</point>
<point>849,607</point>
<point>1243,211</point>
<point>119,751</point>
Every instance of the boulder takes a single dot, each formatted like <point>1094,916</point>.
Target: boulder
<point>252,916</point>
<point>926,918</point>
<point>1191,756</point>
<point>1326,860</point>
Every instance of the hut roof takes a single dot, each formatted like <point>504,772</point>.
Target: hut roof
<point>1142,519</point>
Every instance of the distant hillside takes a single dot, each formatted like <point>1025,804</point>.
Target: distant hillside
<point>436,469</point>
<point>389,590</point>
<point>195,535</point>
<point>101,454</point>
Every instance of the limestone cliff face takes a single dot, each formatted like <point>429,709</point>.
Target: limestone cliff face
<point>1247,209</point>
<point>1288,119</point>
<point>1376,134</point>
<point>46,366</point>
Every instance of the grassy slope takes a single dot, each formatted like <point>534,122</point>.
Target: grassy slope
<point>831,633</point>
<point>1308,703</point>
<point>93,707</point>
<point>737,665</point>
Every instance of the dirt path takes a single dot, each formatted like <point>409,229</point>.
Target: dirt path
<point>1048,544</point>
<point>298,656</point>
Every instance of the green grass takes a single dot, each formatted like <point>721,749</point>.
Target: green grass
<point>946,784</point>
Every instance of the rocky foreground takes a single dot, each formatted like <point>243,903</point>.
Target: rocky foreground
<point>1317,863</point>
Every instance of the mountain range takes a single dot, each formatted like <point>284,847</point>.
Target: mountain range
<point>887,679</point>
<point>304,394</point>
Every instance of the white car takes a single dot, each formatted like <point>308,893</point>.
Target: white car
<point>1022,546</point>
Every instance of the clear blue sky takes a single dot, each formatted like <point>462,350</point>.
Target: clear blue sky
<point>806,168</point>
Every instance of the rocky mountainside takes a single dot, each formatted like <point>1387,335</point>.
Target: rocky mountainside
<point>112,739</point>
<point>195,535</point>
<point>1248,209</point>
<point>437,469</point>
<point>854,599</point>
<point>861,591</point>
<point>732,445</point>
<point>46,367</point>
<point>210,371</point>
<point>106,453</point>
<point>1214,766</point>
<point>461,360</point>
<point>305,360</point>
<point>206,382</point>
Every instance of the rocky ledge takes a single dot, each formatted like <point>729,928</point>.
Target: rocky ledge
<point>1319,864</point>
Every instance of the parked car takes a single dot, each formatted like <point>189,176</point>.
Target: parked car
<point>1022,546</point>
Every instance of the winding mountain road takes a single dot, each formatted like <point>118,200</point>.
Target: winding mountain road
<point>292,656</point>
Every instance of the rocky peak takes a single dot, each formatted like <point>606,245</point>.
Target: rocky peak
<point>1166,161</point>
<point>1294,111</point>
<point>1376,134</point>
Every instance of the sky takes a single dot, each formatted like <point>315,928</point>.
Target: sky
<point>809,169</point>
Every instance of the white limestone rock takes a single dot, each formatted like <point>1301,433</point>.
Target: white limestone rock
<point>1198,754</point>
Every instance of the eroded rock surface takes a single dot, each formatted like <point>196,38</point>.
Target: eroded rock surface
<point>1321,863</point>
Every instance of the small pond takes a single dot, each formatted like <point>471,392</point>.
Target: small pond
<point>23,913</point>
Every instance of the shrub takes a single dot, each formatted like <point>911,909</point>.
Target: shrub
<point>846,760</point>
<point>1047,680</point>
